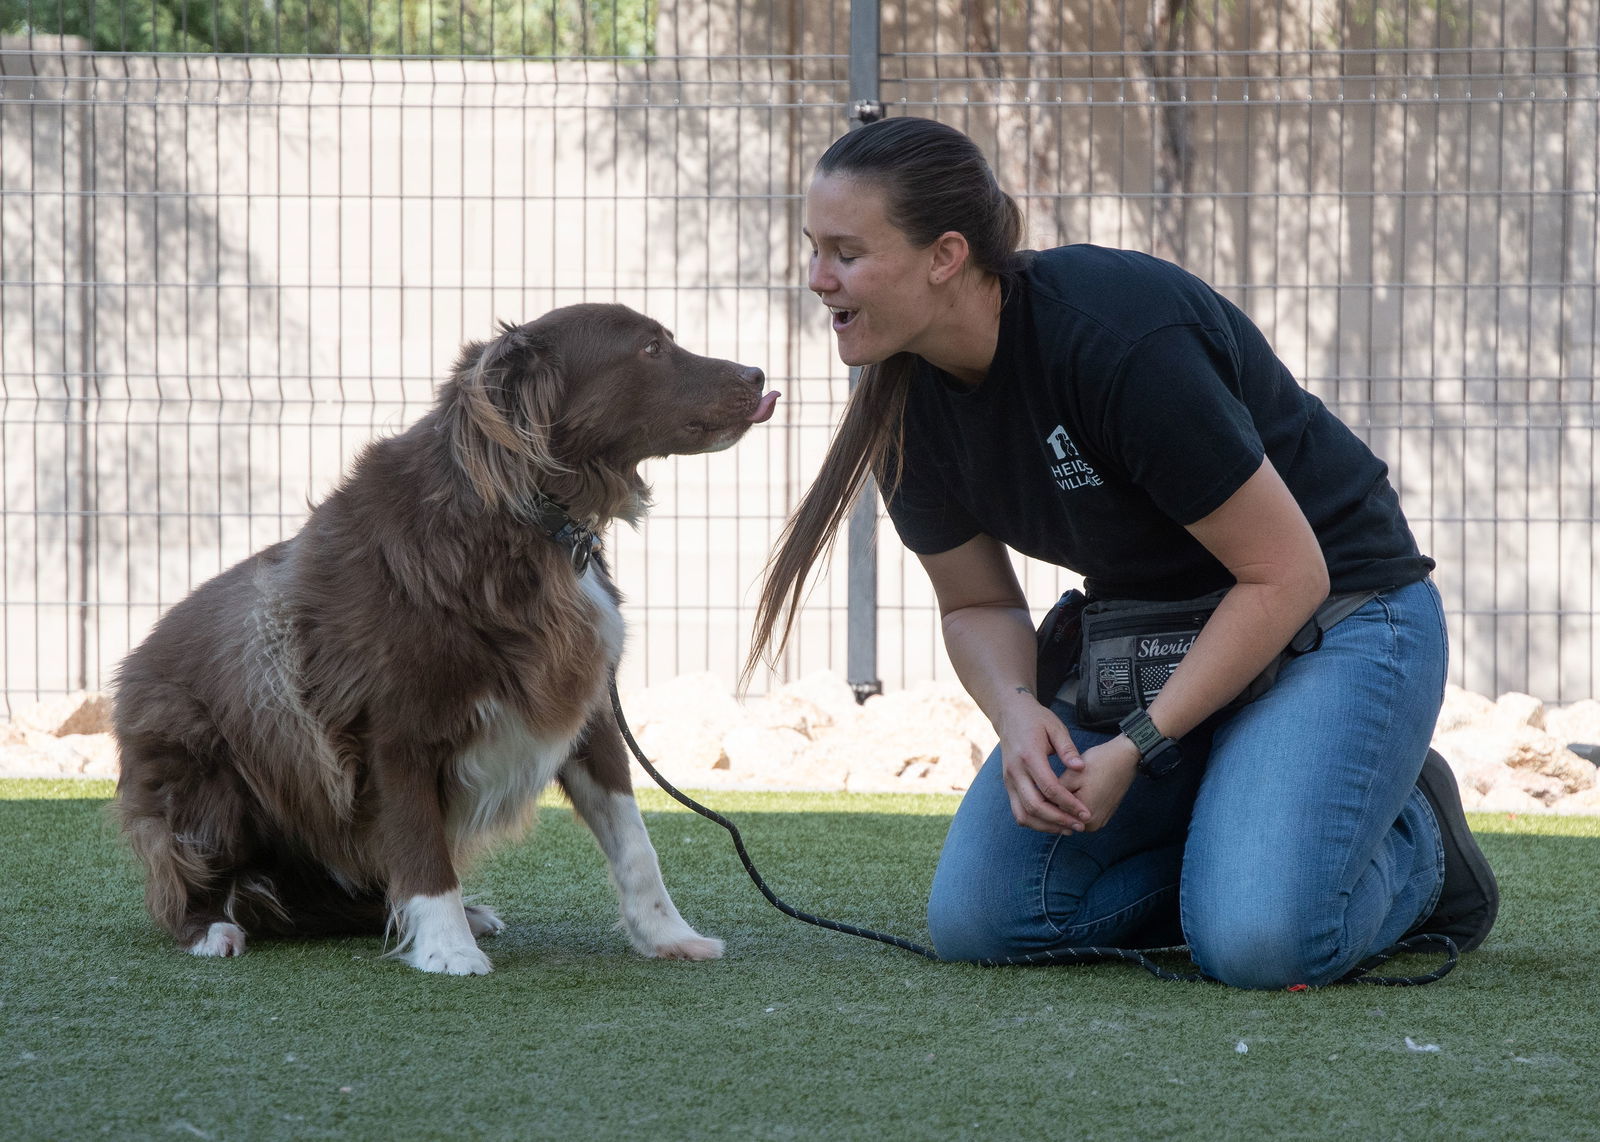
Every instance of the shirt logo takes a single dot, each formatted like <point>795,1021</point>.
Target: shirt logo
<point>1070,470</point>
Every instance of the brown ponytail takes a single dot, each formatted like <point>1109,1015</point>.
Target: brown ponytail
<point>935,179</point>
<point>866,443</point>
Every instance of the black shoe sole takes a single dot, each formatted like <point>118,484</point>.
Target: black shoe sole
<point>1470,898</point>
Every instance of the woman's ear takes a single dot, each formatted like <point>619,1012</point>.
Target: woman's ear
<point>950,251</point>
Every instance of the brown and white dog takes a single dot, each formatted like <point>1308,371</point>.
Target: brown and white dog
<point>316,740</point>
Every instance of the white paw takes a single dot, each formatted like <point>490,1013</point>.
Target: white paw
<point>692,947</point>
<point>483,921</point>
<point>221,939</point>
<point>457,960</point>
<point>439,936</point>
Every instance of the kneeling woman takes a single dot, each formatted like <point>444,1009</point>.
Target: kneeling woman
<point>1110,413</point>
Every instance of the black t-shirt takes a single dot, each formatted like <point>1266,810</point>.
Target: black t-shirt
<point>1127,399</point>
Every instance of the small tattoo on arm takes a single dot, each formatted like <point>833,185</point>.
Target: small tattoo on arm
<point>1028,690</point>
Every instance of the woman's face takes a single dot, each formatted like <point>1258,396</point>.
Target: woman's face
<point>874,281</point>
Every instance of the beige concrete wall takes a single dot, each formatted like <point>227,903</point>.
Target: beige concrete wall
<point>222,277</point>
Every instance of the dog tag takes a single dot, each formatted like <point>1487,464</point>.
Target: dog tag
<point>583,551</point>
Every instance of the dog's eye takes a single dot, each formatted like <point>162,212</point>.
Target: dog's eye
<point>653,349</point>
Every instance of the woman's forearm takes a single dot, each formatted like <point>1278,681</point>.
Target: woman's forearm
<point>1280,578</point>
<point>994,654</point>
<point>1254,622</point>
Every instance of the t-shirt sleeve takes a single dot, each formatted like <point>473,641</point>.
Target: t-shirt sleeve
<point>1176,422</point>
<point>922,508</point>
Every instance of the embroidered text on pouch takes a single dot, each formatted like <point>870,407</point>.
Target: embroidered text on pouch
<point>1165,646</point>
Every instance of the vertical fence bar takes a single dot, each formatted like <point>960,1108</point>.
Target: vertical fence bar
<point>85,503</point>
<point>861,551</point>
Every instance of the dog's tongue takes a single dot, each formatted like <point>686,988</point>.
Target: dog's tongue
<point>763,412</point>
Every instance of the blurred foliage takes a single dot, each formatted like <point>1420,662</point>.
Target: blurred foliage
<point>345,27</point>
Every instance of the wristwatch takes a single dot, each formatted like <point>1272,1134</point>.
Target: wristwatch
<point>1157,754</point>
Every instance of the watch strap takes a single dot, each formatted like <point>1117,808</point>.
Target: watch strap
<point>1157,752</point>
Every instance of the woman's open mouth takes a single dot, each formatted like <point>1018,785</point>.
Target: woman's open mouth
<point>841,317</point>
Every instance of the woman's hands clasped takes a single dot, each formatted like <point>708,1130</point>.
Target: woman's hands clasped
<point>1089,789</point>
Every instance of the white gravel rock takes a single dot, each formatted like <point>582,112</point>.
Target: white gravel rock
<point>77,713</point>
<point>1575,723</point>
<point>1462,708</point>
<point>1514,709</point>
<point>1509,754</point>
<point>773,751</point>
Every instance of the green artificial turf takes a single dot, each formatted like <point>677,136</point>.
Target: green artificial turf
<point>108,1030</point>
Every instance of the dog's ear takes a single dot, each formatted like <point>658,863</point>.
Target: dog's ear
<point>508,391</point>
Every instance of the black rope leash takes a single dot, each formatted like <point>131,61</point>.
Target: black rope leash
<point>1417,943</point>
<point>744,856</point>
<point>1061,955</point>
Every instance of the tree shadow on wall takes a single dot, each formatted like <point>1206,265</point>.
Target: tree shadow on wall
<point>166,342</point>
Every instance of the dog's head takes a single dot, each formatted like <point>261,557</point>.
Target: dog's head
<point>579,397</point>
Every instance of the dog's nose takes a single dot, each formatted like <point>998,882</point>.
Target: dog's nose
<point>755,377</point>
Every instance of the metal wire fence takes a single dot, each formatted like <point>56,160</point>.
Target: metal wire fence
<point>222,274</point>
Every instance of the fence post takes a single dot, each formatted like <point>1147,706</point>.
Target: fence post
<point>861,555</point>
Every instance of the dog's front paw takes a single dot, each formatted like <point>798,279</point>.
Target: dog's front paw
<point>692,947</point>
<point>439,935</point>
<point>465,959</point>
<point>483,921</point>
<point>221,939</point>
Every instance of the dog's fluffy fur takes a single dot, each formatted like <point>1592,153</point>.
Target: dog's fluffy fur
<point>314,741</point>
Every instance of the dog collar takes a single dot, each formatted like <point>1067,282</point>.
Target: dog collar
<point>579,539</point>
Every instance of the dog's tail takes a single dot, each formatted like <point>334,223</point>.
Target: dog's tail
<point>186,818</point>
<point>191,882</point>
<point>181,875</point>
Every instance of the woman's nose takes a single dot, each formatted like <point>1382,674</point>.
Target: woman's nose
<point>820,279</point>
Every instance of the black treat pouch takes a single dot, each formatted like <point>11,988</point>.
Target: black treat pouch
<point>1130,649</point>
<point>1060,637</point>
<point>1126,649</point>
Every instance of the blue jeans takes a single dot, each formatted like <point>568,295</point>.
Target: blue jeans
<point>1290,843</point>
